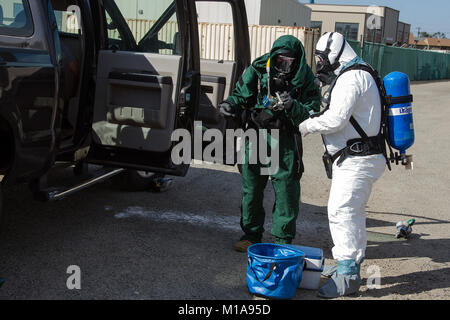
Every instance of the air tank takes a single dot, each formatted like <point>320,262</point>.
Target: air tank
<point>401,123</point>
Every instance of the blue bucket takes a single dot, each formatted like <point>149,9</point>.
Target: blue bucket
<point>274,271</point>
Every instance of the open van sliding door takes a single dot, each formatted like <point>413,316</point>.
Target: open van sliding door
<point>147,83</point>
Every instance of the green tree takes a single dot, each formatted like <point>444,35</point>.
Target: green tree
<point>425,34</point>
<point>440,35</point>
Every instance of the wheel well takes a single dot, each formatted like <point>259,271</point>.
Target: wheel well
<point>7,146</point>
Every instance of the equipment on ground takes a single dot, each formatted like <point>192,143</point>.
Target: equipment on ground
<point>404,228</point>
<point>274,271</point>
<point>315,263</point>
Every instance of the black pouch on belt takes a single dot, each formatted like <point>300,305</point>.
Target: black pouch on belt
<point>328,163</point>
<point>264,120</point>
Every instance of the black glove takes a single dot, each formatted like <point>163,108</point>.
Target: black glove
<point>227,109</point>
<point>287,101</point>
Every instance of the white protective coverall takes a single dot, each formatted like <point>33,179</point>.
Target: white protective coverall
<point>356,94</point>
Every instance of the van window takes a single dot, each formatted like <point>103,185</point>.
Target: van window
<point>68,22</point>
<point>15,18</point>
<point>67,14</point>
<point>216,30</point>
<point>145,26</point>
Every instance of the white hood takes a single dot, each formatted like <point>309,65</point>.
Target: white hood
<point>347,55</point>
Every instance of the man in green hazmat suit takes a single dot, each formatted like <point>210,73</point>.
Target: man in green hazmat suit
<point>276,92</point>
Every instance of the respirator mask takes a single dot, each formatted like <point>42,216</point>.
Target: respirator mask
<point>324,68</point>
<point>284,65</point>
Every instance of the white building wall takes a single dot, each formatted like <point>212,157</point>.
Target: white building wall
<point>284,13</point>
<point>143,9</point>
<point>213,12</point>
<point>329,20</point>
<point>259,12</point>
<point>253,8</point>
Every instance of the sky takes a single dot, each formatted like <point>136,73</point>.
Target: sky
<point>430,15</point>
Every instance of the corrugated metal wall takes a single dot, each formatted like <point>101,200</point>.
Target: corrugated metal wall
<point>217,40</point>
<point>390,25</point>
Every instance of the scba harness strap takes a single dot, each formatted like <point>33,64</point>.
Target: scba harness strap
<point>365,146</point>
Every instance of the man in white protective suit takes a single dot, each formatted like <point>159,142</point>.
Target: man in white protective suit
<point>350,126</point>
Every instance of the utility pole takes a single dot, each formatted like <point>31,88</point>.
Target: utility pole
<point>418,32</point>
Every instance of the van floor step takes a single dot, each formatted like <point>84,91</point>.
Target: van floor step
<point>77,183</point>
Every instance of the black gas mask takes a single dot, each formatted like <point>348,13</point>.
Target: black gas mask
<point>325,70</point>
<point>284,65</point>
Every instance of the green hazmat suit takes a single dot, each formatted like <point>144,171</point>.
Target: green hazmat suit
<point>248,95</point>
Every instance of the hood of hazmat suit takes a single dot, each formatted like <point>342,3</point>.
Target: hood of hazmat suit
<point>334,53</point>
<point>254,84</point>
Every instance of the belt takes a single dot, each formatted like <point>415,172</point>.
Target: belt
<point>359,148</point>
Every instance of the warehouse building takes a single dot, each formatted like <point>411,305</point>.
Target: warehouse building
<point>259,12</point>
<point>403,33</point>
<point>373,24</point>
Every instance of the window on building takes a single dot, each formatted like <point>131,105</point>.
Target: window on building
<point>375,35</point>
<point>15,18</point>
<point>349,30</point>
<point>317,25</point>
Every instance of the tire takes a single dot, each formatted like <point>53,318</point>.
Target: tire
<point>135,181</point>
